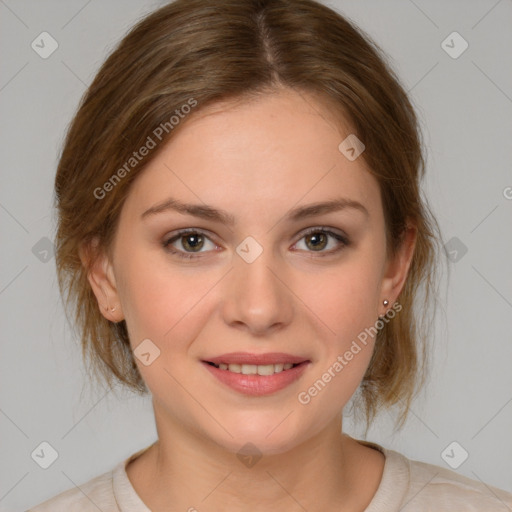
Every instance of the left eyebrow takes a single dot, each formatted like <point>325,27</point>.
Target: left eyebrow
<point>210,213</point>
<point>335,205</point>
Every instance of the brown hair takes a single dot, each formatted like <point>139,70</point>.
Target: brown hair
<point>207,51</point>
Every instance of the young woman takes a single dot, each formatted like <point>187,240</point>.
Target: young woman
<point>242,234</point>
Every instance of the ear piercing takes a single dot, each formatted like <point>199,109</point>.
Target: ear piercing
<point>385,302</point>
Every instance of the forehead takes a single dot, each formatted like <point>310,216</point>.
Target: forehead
<point>276,150</point>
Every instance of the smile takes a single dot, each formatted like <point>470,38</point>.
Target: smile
<point>253,369</point>
<point>256,375</point>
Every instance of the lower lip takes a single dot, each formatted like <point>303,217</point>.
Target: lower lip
<point>257,385</point>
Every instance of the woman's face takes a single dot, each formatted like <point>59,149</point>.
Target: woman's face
<point>259,284</point>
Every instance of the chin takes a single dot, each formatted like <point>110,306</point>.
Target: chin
<point>264,434</point>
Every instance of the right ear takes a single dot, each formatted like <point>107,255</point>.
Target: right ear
<point>100,275</point>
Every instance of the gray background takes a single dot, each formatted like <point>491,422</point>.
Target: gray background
<point>465,105</point>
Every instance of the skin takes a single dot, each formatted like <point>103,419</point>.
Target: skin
<point>256,160</point>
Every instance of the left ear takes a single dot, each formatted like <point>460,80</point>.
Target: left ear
<point>397,268</point>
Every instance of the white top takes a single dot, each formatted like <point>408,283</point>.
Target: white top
<point>406,486</point>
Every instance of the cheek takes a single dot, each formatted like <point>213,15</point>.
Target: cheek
<point>164,304</point>
<point>150,306</point>
<point>345,301</point>
<point>346,306</point>
<point>170,311</point>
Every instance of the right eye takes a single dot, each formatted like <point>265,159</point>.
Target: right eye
<point>191,241</point>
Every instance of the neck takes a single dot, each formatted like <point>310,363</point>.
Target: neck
<point>186,471</point>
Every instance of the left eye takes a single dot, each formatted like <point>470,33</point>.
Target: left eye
<point>317,239</point>
<point>192,241</point>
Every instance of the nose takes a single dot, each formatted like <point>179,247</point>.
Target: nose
<point>257,296</point>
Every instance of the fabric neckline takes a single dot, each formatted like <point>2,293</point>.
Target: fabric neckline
<point>394,482</point>
<point>125,495</point>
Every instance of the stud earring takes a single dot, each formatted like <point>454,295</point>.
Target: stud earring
<point>385,302</point>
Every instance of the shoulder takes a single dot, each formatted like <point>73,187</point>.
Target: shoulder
<point>109,491</point>
<point>432,487</point>
<point>94,495</point>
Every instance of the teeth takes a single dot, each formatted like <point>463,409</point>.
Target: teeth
<point>249,369</point>
<point>253,369</point>
<point>265,369</point>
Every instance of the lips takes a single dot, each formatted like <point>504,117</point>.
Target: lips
<point>256,374</point>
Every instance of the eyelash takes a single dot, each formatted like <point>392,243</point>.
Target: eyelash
<point>344,241</point>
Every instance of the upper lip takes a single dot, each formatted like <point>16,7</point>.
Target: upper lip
<point>256,359</point>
